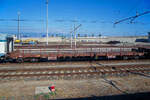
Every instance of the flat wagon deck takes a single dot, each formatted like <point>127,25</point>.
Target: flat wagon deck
<point>55,54</point>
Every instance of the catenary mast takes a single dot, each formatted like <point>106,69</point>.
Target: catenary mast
<point>47,22</point>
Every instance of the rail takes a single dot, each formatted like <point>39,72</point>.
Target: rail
<point>79,72</point>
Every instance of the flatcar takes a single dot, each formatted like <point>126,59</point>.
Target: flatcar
<point>34,53</point>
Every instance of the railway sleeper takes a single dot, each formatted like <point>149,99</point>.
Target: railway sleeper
<point>61,77</point>
<point>75,76</point>
<point>50,78</point>
<point>66,78</point>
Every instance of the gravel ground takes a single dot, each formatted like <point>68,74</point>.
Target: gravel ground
<point>79,88</point>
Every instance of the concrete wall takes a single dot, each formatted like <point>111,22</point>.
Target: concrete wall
<point>107,39</point>
<point>93,39</point>
<point>50,39</point>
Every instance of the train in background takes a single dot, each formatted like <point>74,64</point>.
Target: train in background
<point>26,41</point>
<point>6,45</point>
<point>35,53</point>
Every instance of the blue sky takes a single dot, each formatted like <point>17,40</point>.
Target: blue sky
<point>96,16</point>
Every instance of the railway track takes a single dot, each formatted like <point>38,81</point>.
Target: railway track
<point>72,63</point>
<point>73,72</point>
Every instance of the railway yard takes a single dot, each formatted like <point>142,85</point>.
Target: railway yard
<point>75,79</point>
<point>99,69</point>
<point>74,50</point>
<point>85,70</point>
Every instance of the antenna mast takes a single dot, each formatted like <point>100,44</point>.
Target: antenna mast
<point>19,35</point>
<point>47,22</point>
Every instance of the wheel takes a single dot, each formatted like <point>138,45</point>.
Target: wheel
<point>136,57</point>
<point>125,58</point>
<point>19,60</point>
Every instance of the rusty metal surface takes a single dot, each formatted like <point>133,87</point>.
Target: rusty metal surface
<point>73,53</point>
<point>52,52</point>
<point>68,46</point>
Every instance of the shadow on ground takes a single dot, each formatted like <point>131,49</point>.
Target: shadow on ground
<point>136,96</point>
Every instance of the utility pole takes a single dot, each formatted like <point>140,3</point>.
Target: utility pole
<point>71,40</point>
<point>19,35</point>
<point>75,43</point>
<point>74,29</point>
<point>99,37</point>
<point>47,22</point>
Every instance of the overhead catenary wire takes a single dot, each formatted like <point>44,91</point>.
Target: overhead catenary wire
<point>132,18</point>
<point>63,21</point>
<point>23,20</point>
<point>135,6</point>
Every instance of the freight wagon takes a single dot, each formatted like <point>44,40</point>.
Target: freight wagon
<point>46,53</point>
<point>80,53</point>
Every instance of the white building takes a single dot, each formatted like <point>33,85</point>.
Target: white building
<point>6,44</point>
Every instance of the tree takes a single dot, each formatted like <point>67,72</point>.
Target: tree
<point>78,35</point>
<point>52,35</point>
<point>93,35</point>
<point>99,35</point>
<point>56,35</point>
